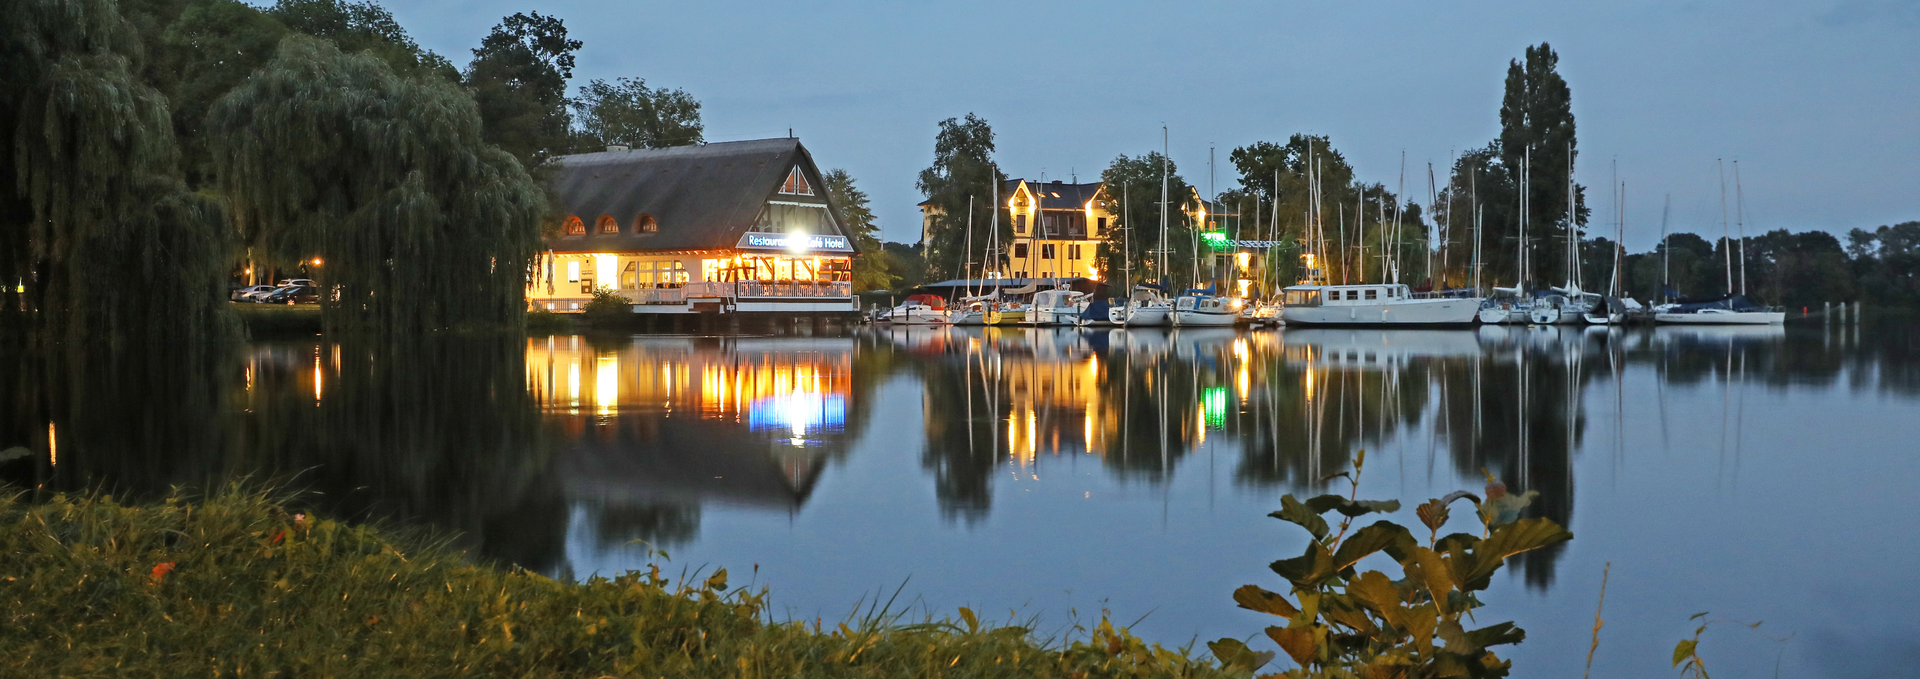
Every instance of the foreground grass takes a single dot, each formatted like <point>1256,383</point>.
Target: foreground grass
<point>240,585</point>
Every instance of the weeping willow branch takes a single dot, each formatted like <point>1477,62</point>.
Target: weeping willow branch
<point>99,239</point>
<point>418,224</point>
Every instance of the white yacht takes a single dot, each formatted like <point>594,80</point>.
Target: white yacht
<point>918,310</point>
<point>1507,305</point>
<point>1731,310</point>
<point>1198,310</point>
<point>1378,304</point>
<point>1147,307</point>
<point>1056,307</point>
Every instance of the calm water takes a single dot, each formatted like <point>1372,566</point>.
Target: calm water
<point>1760,474</point>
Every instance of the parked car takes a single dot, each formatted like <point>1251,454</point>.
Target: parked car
<point>246,294</point>
<point>292,294</point>
<point>295,281</point>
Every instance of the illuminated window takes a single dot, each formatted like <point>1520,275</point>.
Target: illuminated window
<point>573,269</point>
<point>1020,250</point>
<point>1020,224</point>
<point>796,184</point>
<point>606,224</point>
<point>645,224</point>
<point>575,227</point>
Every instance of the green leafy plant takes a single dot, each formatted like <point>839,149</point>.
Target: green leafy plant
<point>1343,622</point>
<point>607,304</point>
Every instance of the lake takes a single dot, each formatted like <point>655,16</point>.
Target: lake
<point>1043,476</point>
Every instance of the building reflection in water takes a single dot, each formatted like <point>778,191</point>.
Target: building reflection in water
<point>648,430</point>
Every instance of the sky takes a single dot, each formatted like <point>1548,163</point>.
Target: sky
<point>1818,101</point>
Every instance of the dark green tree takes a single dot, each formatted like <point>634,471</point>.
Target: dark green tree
<point>629,113</point>
<point>381,183</point>
<point>1537,133</point>
<point>872,269</point>
<point>363,27</point>
<point>89,188</point>
<point>963,171</point>
<point>519,78</point>
<point>200,53</point>
<point>1132,196</point>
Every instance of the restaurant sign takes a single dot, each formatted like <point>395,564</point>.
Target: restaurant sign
<point>796,242</point>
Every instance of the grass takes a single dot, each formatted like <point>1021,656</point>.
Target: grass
<point>241,583</point>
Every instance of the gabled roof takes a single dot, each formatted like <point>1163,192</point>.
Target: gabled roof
<point>1071,196</point>
<point>703,197</point>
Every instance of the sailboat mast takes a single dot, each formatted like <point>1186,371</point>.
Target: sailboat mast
<point>993,239</point>
<point>1740,217</point>
<point>1727,234</point>
<point>1620,244</point>
<point>1666,253</point>
<point>966,261</point>
<point>1164,174</point>
<point>1126,220</point>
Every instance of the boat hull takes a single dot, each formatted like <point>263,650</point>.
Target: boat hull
<point>1149,316</point>
<point>1202,319</point>
<point>1462,311</point>
<point>1728,318</point>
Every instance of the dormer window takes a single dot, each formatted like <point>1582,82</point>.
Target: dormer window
<point>575,227</point>
<point>606,224</point>
<point>644,223</point>
<point>796,184</point>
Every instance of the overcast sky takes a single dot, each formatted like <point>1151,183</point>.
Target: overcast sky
<point>1819,100</point>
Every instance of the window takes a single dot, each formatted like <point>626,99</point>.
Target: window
<point>644,223</point>
<point>796,184</point>
<point>607,225</point>
<point>1019,274</point>
<point>1372,294</point>
<point>628,280</point>
<point>573,270</point>
<point>575,227</point>
<point>1102,225</point>
<point>1020,224</point>
<point>1046,251</point>
<point>1020,251</point>
<point>1073,251</point>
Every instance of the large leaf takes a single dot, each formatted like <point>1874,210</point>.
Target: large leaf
<point>1684,650</point>
<point>1309,569</point>
<point>1379,536</point>
<point>1322,504</point>
<point>1298,642</point>
<point>1292,510</point>
<point>1233,654</point>
<point>1505,541</point>
<point>1346,610</point>
<point>1426,568</point>
<point>1491,635</point>
<point>1374,589</point>
<point>1253,598</point>
<point>1420,623</point>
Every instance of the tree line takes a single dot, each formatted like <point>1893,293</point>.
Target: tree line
<point>151,151</point>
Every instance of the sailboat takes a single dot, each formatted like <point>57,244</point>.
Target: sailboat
<point>1149,306</point>
<point>1732,309</point>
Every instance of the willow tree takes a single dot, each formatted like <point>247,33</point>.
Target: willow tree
<point>99,240</point>
<point>382,186</point>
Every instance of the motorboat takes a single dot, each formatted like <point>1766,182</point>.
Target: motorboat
<point>973,310</point>
<point>1729,310</point>
<point>918,310</point>
<point>1198,308</point>
<point>1056,307</point>
<point>1262,313</point>
<point>1377,304</point>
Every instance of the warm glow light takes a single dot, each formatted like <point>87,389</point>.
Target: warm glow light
<point>316,378</point>
<point>316,261</point>
<point>573,383</point>
<point>249,272</point>
<point>1245,258</point>
<point>606,383</point>
<point>53,447</point>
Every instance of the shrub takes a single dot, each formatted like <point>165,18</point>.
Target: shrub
<point>1349,623</point>
<point>607,304</point>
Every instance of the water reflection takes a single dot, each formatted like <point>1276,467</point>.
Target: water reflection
<point>558,453</point>
<point>648,430</point>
